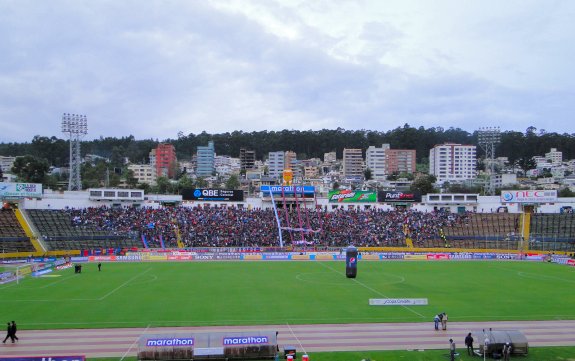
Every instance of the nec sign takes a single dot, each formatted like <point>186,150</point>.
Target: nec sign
<point>398,196</point>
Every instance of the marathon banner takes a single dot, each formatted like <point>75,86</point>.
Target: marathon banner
<point>349,196</point>
<point>288,191</point>
<point>202,194</point>
<point>398,197</point>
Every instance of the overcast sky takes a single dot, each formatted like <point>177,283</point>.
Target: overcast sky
<point>155,68</point>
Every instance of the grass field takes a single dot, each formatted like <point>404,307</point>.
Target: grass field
<point>249,293</point>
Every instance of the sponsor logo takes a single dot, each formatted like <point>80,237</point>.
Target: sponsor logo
<point>249,340</point>
<point>343,195</point>
<point>397,301</point>
<point>154,342</point>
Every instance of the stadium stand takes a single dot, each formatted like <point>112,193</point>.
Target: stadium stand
<point>13,238</point>
<point>61,233</point>
<point>555,229</point>
<point>194,227</point>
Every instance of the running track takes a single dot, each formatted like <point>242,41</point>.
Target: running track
<point>122,342</point>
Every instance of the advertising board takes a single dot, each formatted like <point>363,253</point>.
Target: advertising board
<point>349,196</point>
<point>207,194</point>
<point>287,190</point>
<point>529,196</point>
<point>20,190</point>
<point>398,196</point>
<point>44,358</point>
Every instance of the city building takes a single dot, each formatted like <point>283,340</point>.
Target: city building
<point>499,181</point>
<point>6,163</point>
<point>329,157</point>
<point>164,161</point>
<point>226,165</point>
<point>247,159</point>
<point>276,164</point>
<point>400,161</point>
<point>452,162</point>
<point>144,173</point>
<point>375,161</point>
<point>555,157</point>
<point>205,162</point>
<point>353,164</point>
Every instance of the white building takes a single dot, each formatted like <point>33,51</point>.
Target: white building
<point>555,157</point>
<point>502,180</point>
<point>452,162</point>
<point>226,165</point>
<point>375,161</point>
<point>144,173</point>
<point>329,157</point>
<point>6,163</point>
<point>276,164</point>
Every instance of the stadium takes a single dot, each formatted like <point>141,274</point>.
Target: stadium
<point>167,278</point>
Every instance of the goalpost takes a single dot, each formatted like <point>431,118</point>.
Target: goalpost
<point>10,272</point>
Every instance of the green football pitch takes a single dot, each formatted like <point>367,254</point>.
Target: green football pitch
<point>294,292</point>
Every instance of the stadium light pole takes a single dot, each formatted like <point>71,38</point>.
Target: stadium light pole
<point>488,138</point>
<point>76,126</point>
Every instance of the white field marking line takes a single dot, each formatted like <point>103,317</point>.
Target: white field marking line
<point>133,343</point>
<point>55,282</point>
<point>219,324</point>
<point>123,284</point>
<point>533,276</point>
<point>371,289</point>
<point>297,339</point>
<point>300,277</point>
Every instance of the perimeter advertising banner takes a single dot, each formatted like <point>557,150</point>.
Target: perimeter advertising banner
<point>201,194</point>
<point>529,196</point>
<point>307,191</point>
<point>44,358</point>
<point>398,196</point>
<point>21,190</point>
<point>349,196</point>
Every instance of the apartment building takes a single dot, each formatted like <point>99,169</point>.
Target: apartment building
<point>352,164</point>
<point>451,162</point>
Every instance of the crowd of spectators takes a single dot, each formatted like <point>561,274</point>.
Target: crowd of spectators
<point>243,227</point>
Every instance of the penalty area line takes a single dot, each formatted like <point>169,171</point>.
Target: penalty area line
<point>371,289</point>
<point>123,284</point>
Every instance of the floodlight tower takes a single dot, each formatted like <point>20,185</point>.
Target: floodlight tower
<point>76,126</point>
<point>488,138</point>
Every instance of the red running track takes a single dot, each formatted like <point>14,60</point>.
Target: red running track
<point>122,342</point>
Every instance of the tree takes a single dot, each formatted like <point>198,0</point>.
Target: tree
<point>423,184</point>
<point>525,164</point>
<point>30,169</point>
<point>233,182</point>
<point>201,182</point>
<point>367,174</point>
<point>131,180</point>
<point>565,192</point>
